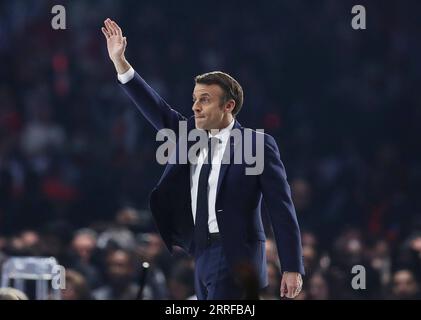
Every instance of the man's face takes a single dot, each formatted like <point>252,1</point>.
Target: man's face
<point>119,267</point>
<point>84,245</point>
<point>209,110</point>
<point>404,284</point>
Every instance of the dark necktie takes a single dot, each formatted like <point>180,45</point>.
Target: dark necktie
<point>201,228</point>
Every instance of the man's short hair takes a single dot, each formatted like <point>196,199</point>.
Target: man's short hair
<point>230,86</point>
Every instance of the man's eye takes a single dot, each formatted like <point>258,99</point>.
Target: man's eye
<point>204,100</point>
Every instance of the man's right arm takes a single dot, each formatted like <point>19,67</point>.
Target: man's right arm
<point>155,109</point>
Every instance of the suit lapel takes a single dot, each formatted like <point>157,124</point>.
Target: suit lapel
<point>173,166</point>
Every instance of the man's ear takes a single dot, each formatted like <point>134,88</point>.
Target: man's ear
<point>230,105</point>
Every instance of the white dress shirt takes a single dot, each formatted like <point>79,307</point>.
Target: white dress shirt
<point>223,136</point>
<point>127,76</point>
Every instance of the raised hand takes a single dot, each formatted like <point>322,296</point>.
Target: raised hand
<point>116,43</point>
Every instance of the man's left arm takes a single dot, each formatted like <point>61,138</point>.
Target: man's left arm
<point>277,196</point>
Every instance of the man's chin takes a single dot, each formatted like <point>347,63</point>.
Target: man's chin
<point>200,125</point>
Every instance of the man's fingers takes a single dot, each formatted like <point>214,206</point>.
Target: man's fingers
<point>117,28</point>
<point>297,292</point>
<point>284,289</point>
<point>105,32</point>
<point>107,27</point>
<point>291,291</point>
<point>113,29</point>
<point>110,27</point>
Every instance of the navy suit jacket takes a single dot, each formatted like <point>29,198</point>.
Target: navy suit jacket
<point>238,200</point>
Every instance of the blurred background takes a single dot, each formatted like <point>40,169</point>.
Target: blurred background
<point>77,160</point>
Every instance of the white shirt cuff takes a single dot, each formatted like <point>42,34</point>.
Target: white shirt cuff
<point>126,77</point>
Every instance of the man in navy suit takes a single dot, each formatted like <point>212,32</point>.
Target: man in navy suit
<point>208,206</point>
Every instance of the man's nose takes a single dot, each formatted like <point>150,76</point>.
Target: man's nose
<point>196,107</point>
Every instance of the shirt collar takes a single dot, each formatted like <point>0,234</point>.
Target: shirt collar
<point>224,133</point>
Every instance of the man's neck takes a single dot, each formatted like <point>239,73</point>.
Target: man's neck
<point>213,132</point>
<point>225,123</point>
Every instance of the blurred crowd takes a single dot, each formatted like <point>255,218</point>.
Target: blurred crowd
<point>106,261</point>
<point>77,160</point>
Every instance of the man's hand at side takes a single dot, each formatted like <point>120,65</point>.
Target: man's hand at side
<point>291,284</point>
